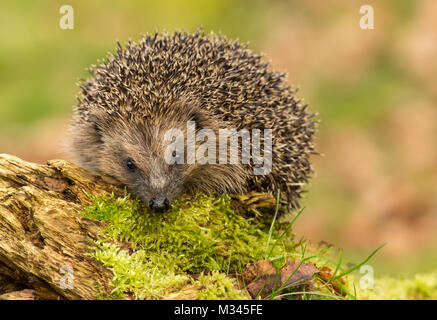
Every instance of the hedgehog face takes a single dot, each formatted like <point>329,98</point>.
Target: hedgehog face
<point>136,157</point>
<point>135,151</point>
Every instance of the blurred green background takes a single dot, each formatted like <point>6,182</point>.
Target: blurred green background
<point>375,91</point>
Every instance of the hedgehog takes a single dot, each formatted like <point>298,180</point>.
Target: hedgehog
<point>164,81</point>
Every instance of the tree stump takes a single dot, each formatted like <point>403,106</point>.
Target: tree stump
<point>43,240</point>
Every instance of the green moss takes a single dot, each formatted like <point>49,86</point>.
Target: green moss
<point>137,273</point>
<point>195,235</point>
<point>188,251</point>
<point>218,286</point>
<point>419,287</point>
<point>152,256</point>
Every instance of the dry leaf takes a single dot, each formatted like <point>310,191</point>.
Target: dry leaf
<point>263,280</point>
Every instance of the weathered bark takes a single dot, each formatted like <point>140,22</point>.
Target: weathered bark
<point>42,235</point>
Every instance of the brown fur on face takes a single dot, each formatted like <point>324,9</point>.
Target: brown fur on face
<point>163,81</point>
<point>106,142</point>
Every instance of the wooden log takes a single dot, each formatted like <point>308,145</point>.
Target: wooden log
<point>43,240</point>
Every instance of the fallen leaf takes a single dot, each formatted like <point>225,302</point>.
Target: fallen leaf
<point>263,280</point>
<point>296,275</point>
<point>335,284</point>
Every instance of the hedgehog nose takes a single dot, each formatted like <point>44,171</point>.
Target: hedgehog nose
<point>159,203</point>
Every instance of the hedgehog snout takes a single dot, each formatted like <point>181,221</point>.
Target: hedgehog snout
<point>159,203</point>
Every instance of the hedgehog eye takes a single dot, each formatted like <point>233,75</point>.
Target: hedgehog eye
<point>177,157</point>
<point>130,164</point>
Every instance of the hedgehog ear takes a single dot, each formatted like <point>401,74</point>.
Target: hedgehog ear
<point>192,109</point>
<point>198,118</point>
<point>100,122</point>
<point>84,143</point>
<point>90,133</point>
<point>98,133</point>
